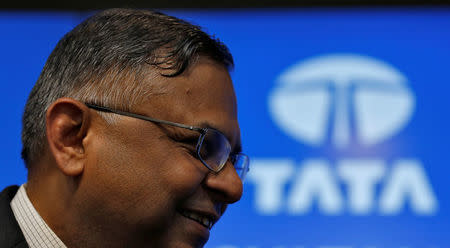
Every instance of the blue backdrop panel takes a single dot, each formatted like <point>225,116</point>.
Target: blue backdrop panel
<point>344,113</point>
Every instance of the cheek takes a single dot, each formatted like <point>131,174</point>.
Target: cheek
<point>124,181</point>
<point>185,175</point>
<point>142,182</point>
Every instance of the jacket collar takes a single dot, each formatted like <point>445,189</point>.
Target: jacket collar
<point>10,234</point>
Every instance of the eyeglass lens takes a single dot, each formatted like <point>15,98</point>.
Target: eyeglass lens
<point>215,150</point>
<point>240,163</point>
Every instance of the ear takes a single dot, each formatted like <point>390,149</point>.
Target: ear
<point>67,123</point>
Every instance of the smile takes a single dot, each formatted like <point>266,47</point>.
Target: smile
<point>201,219</point>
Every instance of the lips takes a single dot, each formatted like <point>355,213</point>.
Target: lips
<point>204,219</point>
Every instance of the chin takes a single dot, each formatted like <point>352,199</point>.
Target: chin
<point>181,244</point>
<point>183,238</point>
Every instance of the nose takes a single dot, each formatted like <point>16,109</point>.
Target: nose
<point>225,185</point>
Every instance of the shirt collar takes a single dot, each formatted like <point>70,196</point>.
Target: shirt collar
<point>36,232</point>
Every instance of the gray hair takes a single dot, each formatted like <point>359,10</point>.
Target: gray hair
<point>105,61</point>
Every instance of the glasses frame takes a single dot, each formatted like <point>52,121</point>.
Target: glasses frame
<point>201,130</point>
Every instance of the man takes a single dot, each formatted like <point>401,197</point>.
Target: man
<point>130,137</point>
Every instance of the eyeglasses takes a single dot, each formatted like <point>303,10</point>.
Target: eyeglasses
<point>213,148</point>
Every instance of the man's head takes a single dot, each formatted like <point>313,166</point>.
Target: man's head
<point>106,59</point>
<point>103,178</point>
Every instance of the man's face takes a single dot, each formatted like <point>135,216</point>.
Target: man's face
<point>144,179</point>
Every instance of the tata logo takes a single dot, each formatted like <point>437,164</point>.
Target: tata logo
<point>323,97</point>
<point>345,101</point>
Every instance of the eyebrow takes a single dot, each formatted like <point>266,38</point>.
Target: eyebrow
<point>237,148</point>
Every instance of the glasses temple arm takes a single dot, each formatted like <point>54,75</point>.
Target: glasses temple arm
<point>145,118</point>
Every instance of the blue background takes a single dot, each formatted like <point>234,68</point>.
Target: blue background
<point>264,43</point>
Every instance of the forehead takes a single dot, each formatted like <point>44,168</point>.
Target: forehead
<point>202,95</point>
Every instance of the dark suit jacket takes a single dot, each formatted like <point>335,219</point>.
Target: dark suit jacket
<point>10,234</point>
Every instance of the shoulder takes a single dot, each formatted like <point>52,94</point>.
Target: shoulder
<point>8,193</point>
<point>10,234</point>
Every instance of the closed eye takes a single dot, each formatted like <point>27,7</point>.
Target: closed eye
<point>187,142</point>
